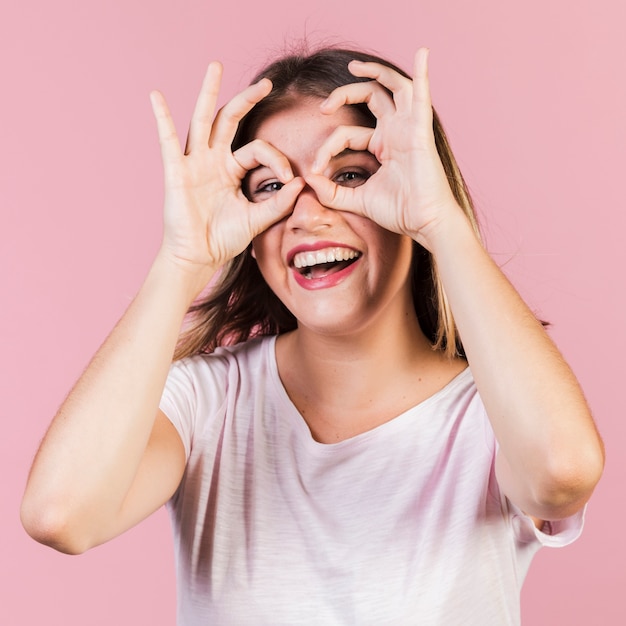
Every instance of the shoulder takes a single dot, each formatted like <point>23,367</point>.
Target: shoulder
<point>458,396</point>
<point>243,357</point>
<point>203,389</point>
<point>204,382</point>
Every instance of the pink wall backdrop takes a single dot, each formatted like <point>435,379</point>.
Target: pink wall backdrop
<point>533,95</point>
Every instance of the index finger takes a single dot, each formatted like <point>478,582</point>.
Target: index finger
<point>355,138</point>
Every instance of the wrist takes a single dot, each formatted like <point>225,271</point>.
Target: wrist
<point>186,279</point>
<point>449,229</point>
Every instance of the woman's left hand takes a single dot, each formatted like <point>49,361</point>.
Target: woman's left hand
<point>410,193</point>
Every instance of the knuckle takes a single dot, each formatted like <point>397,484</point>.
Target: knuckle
<point>258,145</point>
<point>167,137</point>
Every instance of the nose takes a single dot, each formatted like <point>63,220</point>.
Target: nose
<point>309,213</point>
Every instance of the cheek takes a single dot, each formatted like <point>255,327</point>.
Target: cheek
<point>391,248</point>
<point>395,253</point>
<point>259,246</point>
<point>266,250</point>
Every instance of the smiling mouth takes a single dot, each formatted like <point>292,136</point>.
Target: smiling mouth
<point>321,263</point>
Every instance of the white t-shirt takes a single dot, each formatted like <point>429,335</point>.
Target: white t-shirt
<point>403,524</point>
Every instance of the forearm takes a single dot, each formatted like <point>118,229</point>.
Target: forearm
<point>551,455</point>
<point>93,448</point>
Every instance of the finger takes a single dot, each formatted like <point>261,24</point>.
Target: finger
<point>371,93</point>
<point>204,111</point>
<point>263,214</point>
<point>421,92</point>
<point>342,138</point>
<point>258,153</point>
<point>399,85</point>
<point>170,146</point>
<point>335,196</point>
<point>228,117</point>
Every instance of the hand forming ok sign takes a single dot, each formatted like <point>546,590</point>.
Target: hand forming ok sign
<point>208,219</point>
<point>410,191</point>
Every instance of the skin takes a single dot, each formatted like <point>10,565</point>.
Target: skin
<point>110,457</point>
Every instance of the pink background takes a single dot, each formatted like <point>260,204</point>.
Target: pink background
<point>533,96</point>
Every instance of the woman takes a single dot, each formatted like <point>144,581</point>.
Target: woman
<point>341,463</point>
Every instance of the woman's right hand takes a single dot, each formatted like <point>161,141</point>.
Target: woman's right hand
<point>110,457</point>
<point>208,219</point>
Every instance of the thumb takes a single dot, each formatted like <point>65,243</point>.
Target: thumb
<point>275,208</point>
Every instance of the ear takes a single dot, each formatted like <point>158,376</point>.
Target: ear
<point>253,252</point>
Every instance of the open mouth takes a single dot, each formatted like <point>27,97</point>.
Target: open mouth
<point>322,263</point>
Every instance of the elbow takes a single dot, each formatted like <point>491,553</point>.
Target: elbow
<point>50,526</point>
<point>567,483</point>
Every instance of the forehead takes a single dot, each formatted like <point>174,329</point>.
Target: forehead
<point>299,130</point>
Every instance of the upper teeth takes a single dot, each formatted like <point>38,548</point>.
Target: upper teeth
<point>327,255</point>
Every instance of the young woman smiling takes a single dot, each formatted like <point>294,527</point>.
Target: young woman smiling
<point>364,423</point>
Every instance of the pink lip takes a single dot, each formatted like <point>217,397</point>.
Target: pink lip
<point>323,282</point>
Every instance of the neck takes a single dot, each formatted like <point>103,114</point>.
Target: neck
<point>349,384</point>
<point>323,357</point>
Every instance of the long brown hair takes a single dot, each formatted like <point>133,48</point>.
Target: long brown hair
<point>241,305</point>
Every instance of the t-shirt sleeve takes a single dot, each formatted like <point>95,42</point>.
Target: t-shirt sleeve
<point>554,534</point>
<point>179,402</point>
<point>193,391</point>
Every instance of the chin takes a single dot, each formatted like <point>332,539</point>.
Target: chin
<point>329,324</point>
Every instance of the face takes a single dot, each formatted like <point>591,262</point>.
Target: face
<point>337,272</point>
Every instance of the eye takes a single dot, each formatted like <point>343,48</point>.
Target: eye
<point>264,189</point>
<point>351,178</point>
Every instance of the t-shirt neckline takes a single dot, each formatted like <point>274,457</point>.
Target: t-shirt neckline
<point>382,429</point>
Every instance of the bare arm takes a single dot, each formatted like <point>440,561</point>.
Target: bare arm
<point>77,491</point>
<point>110,457</point>
<point>551,455</point>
